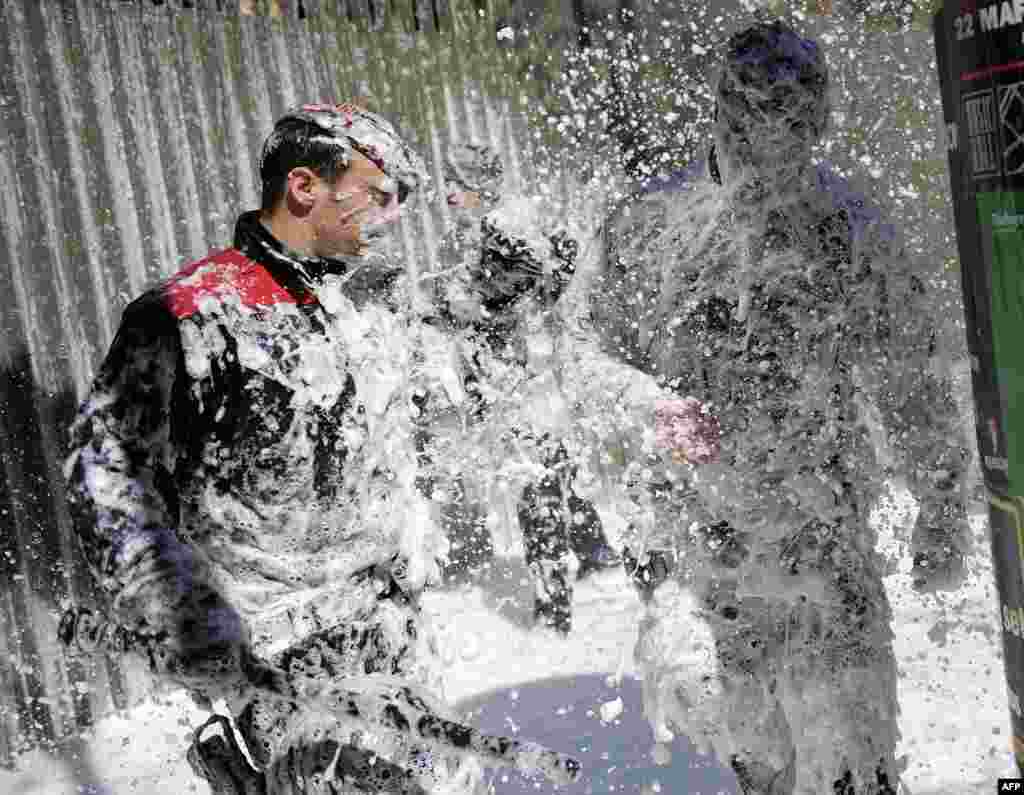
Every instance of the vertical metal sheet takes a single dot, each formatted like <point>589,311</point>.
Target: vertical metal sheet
<point>170,65</point>
<point>78,176</point>
<point>305,67</point>
<point>281,72</point>
<point>145,149</point>
<point>200,98</point>
<point>315,52</point>
<point>44,244</point>
<point>117,218</point>
<point>252,88</point>
<point>232,125</point>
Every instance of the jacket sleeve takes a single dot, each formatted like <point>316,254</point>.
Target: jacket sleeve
<point>615,404</point>
<point>125,445</point>
<point>926,433</point>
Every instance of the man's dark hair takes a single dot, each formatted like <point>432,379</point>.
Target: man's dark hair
<point>295,143</point>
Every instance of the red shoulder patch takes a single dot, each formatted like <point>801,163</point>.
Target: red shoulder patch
<point>222,274</point>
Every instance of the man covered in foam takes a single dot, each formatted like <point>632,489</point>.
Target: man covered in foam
<point>554,429</point>
<point>245,485</point>
<point>782,299</point>
<point>508,262</point>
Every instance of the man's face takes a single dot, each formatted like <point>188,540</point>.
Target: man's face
<point>352,215</point>
<point>771,100</point>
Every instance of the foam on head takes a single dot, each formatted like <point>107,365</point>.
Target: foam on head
<point>355,129</point>
<point>771,99</point>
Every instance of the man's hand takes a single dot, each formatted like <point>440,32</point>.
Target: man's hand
<point>650,570</point>
<point>522,254</point>
<point>939,563</point>
<point>371,703</point>
<point>196,639</point>
<point>687,428</point>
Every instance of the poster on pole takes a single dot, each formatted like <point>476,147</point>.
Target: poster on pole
<point>980,58</point>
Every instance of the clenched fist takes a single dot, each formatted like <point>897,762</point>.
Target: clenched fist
<point>687,428</point>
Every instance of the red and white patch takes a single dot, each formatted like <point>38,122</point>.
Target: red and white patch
<point>224,273</point>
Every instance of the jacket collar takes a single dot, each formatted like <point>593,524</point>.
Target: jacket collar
<point>303,274</point>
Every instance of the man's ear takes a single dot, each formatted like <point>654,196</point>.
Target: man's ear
<point>302,183</point>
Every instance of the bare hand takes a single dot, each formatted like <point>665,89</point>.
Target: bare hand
<point>687,428</point>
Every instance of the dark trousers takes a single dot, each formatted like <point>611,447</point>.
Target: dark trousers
<point>553,520</point>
